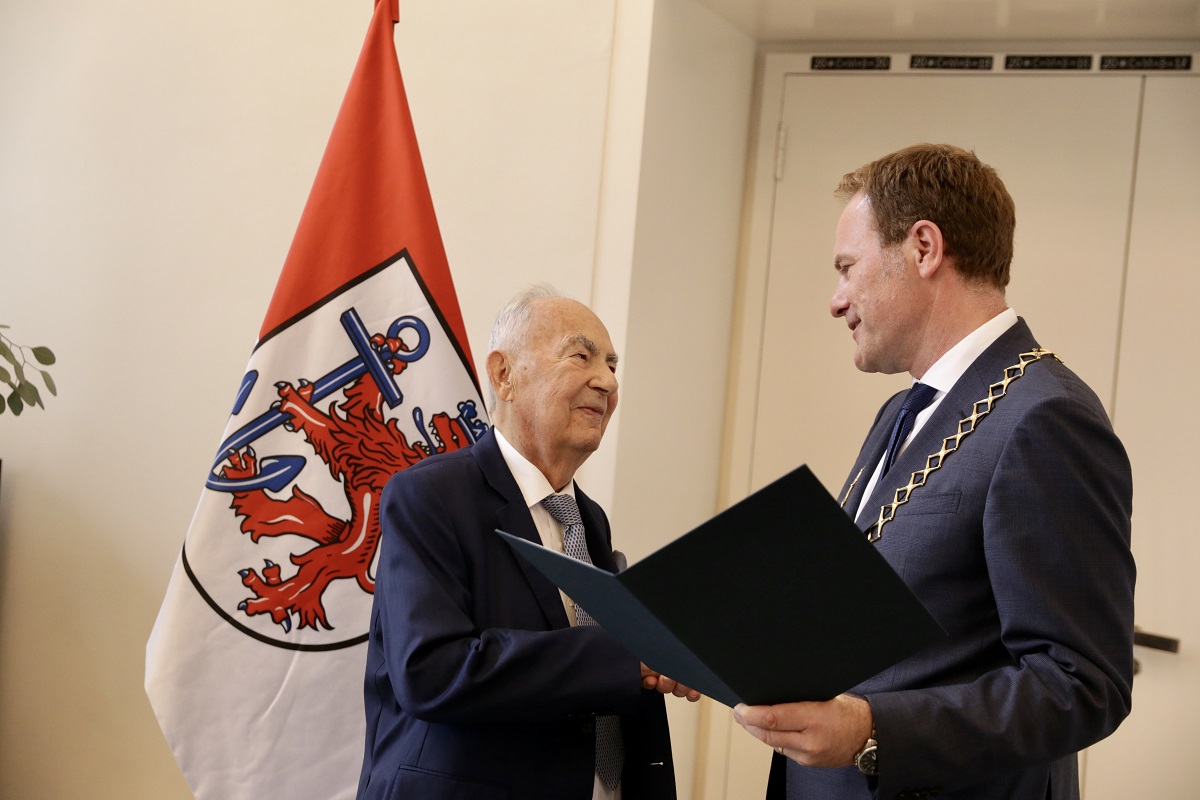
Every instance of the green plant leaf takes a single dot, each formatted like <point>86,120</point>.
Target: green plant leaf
<point>14,402</point>
<point>49,382</point>
<point>3,404</point>
<point>44,355</point>
<point>4,376</point>
<point>29,394</point>
<point>8,354</point>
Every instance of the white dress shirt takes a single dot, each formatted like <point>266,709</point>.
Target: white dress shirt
<point>534,488</point>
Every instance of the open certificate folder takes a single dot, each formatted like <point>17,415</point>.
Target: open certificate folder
<point>778,598</point>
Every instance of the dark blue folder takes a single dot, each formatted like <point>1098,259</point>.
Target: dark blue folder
<point>776,599</point>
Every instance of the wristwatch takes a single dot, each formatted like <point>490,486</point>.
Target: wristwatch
<point>867,759</point>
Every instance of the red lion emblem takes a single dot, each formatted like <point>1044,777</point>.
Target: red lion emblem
<point>363,449</point>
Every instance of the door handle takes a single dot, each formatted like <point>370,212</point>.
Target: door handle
<point>1154,641</point>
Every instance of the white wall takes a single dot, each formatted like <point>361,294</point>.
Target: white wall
<point>509,101</point>
<point>681,300</point>
<point>154,159</point>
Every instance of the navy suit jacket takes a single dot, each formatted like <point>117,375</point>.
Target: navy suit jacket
<point>1019,547</point>
<point>476,685</point>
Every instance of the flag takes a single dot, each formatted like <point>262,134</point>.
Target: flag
<point>255,665</point>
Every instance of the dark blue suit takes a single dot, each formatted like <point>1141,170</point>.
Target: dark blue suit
<point>476,686</point>
<point>1019,547</point>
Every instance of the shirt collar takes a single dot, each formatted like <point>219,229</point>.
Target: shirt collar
<point>530,480</point>
<point>946,371</point>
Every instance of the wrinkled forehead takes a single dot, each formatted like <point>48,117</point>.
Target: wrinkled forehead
<point>559,322</point>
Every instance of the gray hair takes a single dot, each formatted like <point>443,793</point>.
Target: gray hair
<point>510,331</point>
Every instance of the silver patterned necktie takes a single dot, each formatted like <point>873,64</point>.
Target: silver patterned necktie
<point>610,748</point>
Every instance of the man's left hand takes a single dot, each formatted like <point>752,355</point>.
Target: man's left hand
<point>827,734</point>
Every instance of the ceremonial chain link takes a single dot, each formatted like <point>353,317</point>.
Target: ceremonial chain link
<point>934,462</point>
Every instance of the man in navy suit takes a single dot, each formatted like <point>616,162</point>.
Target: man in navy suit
<point>1006,511</point>
<point>479,682</point>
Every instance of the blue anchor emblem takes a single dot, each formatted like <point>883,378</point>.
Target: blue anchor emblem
<point>276,472</point>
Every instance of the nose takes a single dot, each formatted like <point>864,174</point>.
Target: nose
<point>838,304</point>
<point>605,380</point>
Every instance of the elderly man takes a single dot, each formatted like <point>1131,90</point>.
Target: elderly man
<point>483,680</point>
<point>997,490</point>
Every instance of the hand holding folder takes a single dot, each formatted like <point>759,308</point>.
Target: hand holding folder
<point>779,598</point>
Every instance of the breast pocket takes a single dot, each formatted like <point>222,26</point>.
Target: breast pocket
<point>925,504</point>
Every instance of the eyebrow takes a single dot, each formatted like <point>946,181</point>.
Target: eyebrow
<point>580,340</point>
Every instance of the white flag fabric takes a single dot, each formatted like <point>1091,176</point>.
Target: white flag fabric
<point>255,664</point>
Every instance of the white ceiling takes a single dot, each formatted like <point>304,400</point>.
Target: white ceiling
<point>974,20</point>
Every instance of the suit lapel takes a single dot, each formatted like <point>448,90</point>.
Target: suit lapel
<point>868,457</point>
<point>596,530</point>
<point>514,518</point>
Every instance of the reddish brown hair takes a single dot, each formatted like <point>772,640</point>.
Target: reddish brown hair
<point>951,188</point>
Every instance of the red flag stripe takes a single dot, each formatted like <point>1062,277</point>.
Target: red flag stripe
<point>355,219</point>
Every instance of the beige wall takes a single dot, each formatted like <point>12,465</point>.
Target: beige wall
<point>154,159</point>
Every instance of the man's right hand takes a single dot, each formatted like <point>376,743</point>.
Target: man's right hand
<point>655,680</point>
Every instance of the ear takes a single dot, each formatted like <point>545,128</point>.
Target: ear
<point>500,373</point>
<point>926,246</point>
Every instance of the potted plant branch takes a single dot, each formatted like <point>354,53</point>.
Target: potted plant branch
<point>15,369</point>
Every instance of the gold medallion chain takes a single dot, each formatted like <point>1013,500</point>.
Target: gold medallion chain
<point>965,427</point>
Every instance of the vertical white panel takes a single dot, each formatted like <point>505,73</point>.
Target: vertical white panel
<point>680,302</point>
<point>1157,387</point>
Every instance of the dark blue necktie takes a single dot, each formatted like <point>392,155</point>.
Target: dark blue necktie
<point>918,397</point>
